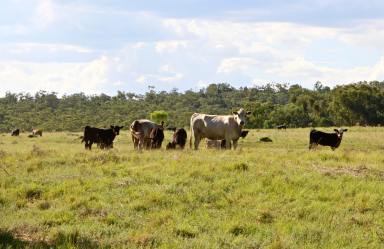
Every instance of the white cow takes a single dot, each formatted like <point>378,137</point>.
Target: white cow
<point>217,127</point>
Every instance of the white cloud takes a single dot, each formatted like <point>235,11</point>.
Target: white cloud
<point>45,13</point>
<point>88,77</point>
<point>28,47</point>
<point>240,64</point>
<point>171,46</point>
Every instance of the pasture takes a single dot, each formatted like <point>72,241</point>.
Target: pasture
<point>264,195</point>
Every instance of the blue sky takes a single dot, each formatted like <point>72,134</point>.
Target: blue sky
<point>104,46</point>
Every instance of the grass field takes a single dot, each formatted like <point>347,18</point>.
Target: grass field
<point>263,195</point>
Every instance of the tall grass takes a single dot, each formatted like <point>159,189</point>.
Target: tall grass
<point>264,195</point>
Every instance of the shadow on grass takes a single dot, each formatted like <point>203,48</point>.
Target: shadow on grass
<point>8,240</point>
<point>72,240</point>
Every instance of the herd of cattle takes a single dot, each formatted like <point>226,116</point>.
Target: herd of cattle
<point>221,131</point>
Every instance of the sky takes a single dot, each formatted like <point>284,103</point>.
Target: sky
<point>102,46</point>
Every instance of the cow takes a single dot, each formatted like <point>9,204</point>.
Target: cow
<point>107,136</point>
<point>179,138</point>
<point>15,132</point>
<point>103,137</point>
<point>217,127</point>
<point>222,143</point>
<point>282,126</point>
<point>326,139</point>
<point>37,132</point>
<point>156,137</point>
<point>140,131</point>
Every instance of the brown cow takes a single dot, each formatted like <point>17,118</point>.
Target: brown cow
<point>140,131</point>
<point>156,137</point>
<point>179,138</point>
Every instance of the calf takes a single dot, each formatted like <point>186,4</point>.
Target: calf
<point>107,136</point>
<point>326,139</point>
<point>156,137</point>
<point>179,138</point>
<point>15,132</point>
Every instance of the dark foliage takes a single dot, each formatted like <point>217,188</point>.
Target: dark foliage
<point>271,105</point>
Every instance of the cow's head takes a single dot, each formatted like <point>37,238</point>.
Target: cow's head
<point>240,116</point>
<point>243,134</point>
<point>116,129</point>
<point>340,132</point>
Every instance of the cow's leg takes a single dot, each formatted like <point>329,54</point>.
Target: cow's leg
<point>235,144</point>
<point>227,144</point>
<point>197,141</point>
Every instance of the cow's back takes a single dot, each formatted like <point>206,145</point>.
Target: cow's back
<point>145,125</point>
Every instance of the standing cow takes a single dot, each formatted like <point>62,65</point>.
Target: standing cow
<point>217,127</point>
<point>156,136</point>
<point>326,139</point>
<point>102,137</point>
<point>141,130</point>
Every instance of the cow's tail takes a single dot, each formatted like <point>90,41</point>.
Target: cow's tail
<point>190,137</point>
<point>191,130</point>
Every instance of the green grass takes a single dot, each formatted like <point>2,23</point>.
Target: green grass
<point>264,195</point>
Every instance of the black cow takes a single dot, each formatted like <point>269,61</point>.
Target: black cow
<point>179,138</point>
<point>156,137</point>
<point>103,137</point>
<point>15,132</point>
<point>327,139</point>
<point>282,126</point>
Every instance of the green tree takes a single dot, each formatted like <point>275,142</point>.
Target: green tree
<point>158,116</point>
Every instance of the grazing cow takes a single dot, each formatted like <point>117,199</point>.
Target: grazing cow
<point>217,127</point>
<point>103,137</point>
<point>37,132</point>
<point>156,137</point>
<point>15,132</point>
<point>282,126</point>
<point>222,143</point>
<point>179,138</point>
<point>140,131</point>
<point>327,139</point>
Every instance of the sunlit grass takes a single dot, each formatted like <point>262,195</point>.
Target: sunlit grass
<point>263,195</point>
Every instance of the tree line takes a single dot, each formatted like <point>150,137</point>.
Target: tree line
<point>360,103</point>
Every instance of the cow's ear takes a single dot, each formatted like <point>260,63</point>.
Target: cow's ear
<point>121,127</point>
<point>345,130</point>
<point>235,113</point>
<point>249,113</point>
<point>336,130</point>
